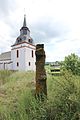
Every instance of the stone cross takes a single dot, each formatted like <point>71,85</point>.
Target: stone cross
<point>41,87</point>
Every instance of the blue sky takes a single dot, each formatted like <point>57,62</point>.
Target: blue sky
<point>56,23</point>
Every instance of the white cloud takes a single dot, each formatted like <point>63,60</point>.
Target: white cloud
<point>58,51</point>
<point>54,22</point>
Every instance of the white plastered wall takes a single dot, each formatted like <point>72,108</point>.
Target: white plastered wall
<point>25,56</point>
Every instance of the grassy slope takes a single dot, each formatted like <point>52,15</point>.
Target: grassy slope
<point>17,101</point>
<point>14,86</point>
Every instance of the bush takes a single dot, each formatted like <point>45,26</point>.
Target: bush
<point>72,62</point>
<point>64,98</point>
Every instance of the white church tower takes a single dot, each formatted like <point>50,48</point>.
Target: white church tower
<point>23,50</point>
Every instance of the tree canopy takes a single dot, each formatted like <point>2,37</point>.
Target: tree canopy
<point>72,62</point>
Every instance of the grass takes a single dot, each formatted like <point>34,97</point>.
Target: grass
<point>15,85</point>
<point>17,100</point>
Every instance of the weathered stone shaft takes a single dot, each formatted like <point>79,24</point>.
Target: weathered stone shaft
<point>41,87</point>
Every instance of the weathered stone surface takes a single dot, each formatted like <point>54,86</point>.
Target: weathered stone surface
<point>41,87</point>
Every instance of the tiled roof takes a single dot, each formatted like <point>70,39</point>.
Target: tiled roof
<point>5,56</point>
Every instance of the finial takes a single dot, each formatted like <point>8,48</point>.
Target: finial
<point>24,23</point>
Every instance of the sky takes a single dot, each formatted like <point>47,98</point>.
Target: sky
<point>54,23</point>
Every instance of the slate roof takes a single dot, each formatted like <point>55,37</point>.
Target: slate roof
<point>5,56</point>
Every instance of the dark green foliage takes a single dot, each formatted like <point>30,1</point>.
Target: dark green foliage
<point>72,62</point>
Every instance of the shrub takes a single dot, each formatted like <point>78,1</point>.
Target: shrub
<point>72,62</point>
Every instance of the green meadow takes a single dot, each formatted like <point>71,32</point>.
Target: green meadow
<point>18,102</point>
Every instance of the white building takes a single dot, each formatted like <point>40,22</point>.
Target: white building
<point>22,54</point>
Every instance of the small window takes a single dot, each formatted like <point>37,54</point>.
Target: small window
<point>29,63</point>
<point>17,64</point>
<point>29,40</point>
<point>32,53</point>
<point>17,53</point>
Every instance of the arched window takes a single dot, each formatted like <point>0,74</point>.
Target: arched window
<point>17,64</point>
<point>29,40</point>
<point>29,63</point>
<point>17,53</point>
<point>32,54</point>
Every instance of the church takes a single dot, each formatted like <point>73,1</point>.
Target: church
<point>22,54</point>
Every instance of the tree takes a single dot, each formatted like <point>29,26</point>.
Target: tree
<point>72,63</point>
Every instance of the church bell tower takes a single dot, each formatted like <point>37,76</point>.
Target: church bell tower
<point>23,50</point>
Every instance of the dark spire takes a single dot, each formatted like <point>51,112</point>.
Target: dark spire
<point>24,23</point>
